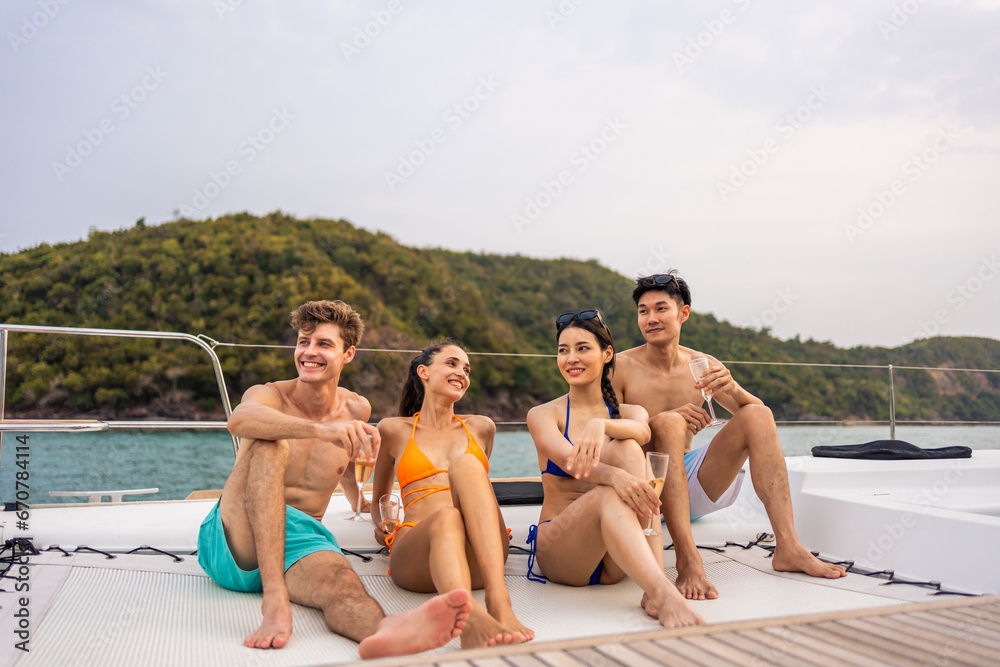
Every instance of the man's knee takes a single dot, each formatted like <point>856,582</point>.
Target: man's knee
<point>669,430</point>
<point>757,417</point>
<point>341,581</point>
<point>275,451</point>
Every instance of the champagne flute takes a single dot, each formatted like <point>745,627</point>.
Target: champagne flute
<point>698,368</point>
<point>389,511</point>
<point>656,473</point>
<point>363,466</point>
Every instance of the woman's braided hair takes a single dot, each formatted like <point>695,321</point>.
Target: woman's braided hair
<point>599,329</point>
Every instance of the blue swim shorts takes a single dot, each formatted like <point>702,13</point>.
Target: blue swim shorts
<point>304,535</point>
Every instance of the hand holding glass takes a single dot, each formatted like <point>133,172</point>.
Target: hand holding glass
<point>698,368</point>
<point>388,507</point>
<point>363,466</point>
<point>656,473</point>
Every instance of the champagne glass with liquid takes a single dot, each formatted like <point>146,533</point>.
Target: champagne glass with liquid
<point>656,472</point>
<point>698,368</point>
<point>389,511</point>
<point>363,466</point>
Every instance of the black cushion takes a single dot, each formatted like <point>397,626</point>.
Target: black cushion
<point>518,493</point>
<point>890,450</point>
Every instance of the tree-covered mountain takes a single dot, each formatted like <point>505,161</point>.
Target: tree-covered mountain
<point>236,278</point>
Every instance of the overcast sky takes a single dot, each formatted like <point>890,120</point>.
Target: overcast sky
<point>829,170</point>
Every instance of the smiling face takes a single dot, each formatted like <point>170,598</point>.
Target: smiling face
<point>580,357</point>
<point>447,373</point>
<point>320,355</point>
<point>660,316</point>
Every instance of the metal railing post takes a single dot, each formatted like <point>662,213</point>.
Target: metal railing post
<point>892,407</point>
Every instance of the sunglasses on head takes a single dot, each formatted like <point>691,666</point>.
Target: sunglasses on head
<point>666,280</point>
<point>566,318</point>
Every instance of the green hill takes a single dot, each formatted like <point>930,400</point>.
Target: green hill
<point>235,279</point>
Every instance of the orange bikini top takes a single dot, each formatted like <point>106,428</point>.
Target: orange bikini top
<point>415,466</point>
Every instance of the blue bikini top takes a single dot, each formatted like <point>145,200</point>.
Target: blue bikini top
<point>550,467</point>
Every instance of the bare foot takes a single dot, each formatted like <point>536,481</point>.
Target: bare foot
<point>668,607</point>
<point>484,630</point>
<point>432,624</point>
<point>799,559</point>
<point>276,627</point>
<point>692,584</point>
<point>501,609</point>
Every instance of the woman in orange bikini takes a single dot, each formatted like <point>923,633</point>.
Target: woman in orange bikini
<point>454,535</point>
<point>597,499</point>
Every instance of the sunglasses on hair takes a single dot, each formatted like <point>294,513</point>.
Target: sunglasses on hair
<point>666,280</point>
<point>566,318</point>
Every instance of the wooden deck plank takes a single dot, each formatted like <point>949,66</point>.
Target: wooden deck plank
<point>765,648</point>
<point>660,655</point>
<point>952,619</point>
<point>801,634</point>
<point>524,660</point>
<point>914,649</point>
<point>841,637</point>
<point>591,656</point>
<point>959,630</point>
<point>557,658</point>
<point>785,641</point>
<point>490,662</point>
<point>967,620</point>
<point>719,649</point>
<point>627,655</point>
<point>690,652</point>
<point>846,632</point>
<point>861,634</point>
<point>987,616</point>
<point>950,643</point>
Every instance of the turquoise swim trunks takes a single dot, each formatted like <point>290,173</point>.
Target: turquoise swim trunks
<point>303,535</point>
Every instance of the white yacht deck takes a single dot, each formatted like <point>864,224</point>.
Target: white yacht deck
<point>147,608</point>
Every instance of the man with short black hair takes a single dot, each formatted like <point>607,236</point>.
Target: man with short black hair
<point>297,437</point>
<point>656,376</point>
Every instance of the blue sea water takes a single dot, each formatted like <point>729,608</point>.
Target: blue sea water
<point>178,462</point>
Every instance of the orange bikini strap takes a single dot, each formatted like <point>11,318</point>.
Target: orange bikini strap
<point>413,431</point>
<point>431,490</point>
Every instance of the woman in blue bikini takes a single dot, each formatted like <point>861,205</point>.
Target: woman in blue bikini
<point>597,500</point>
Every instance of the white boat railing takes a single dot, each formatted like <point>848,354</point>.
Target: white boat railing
<point>50,425</point>
<point>209,344</point>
